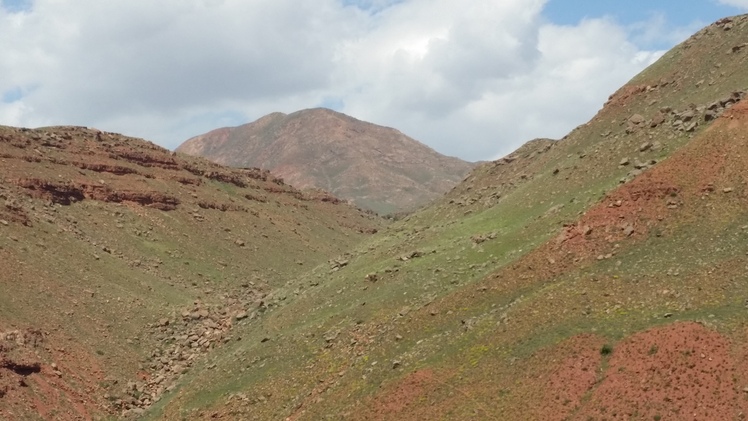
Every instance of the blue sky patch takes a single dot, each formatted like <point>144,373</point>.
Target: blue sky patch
<point>16,6</point>
<point>651,24</point>
<point>372,6</point>
<point>332,103</point>
<point>215,119</point>
<point>12,95</point>
<point>679,12</point>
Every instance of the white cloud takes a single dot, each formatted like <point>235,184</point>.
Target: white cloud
<point>742,4</point>
<point>474,79</point>
<point>481,84</point>
<point>657,30</point>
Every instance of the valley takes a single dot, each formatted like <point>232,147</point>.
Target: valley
<point>597,276</point>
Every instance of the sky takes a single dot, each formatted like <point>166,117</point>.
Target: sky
<point>473,79</point>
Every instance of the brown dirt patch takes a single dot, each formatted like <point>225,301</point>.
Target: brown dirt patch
<point>405,393</point>
<point>626,94</point>
<point>396,402</point>
<point>687,187</point>
<point>551,384</point>
<point>675,372</point>
<point>680,371</point>
<point>30,384</point>
<point>571,378</point>
<point>710,163</point>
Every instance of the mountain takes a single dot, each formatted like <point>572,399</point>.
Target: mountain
<point>115,250</point>
<point>378,168</point>
<point>599,276</point>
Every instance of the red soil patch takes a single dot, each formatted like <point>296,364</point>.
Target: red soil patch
<point>675,372</point>
<point>626,94</point>
<point>395,402</point>
<point>570,379</point>
<point>675,189</point>
<point>741,367</point>
<point>710,163</point>
<point>553,383</point>
<point>423,395</point>
<point>659,371</point>
<point>681,371</point>
<point>69,391</point>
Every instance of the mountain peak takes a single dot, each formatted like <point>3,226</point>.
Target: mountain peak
<point>376,167</point>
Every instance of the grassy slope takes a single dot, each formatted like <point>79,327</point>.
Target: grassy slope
<point>472,314</point>
<point>94,276</point>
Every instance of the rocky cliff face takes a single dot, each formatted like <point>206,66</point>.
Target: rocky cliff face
<point>377,168</point>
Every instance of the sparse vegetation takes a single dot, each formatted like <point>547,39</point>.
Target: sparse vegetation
<point>362,171</point>
<point>500,301</point>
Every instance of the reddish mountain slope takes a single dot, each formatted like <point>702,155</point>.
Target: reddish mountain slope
<point>601,276</point>
<point>376,167</point>
<point>666,246</point>
<point>122,265</point>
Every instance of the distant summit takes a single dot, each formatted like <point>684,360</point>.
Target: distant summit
<point>378,168</point>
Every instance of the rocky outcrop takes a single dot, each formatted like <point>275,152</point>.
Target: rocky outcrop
<point>17,358</point>
<point>184,339</point>
<point>146,159</point>
<point>113,169</point>
<point>66,193</point>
